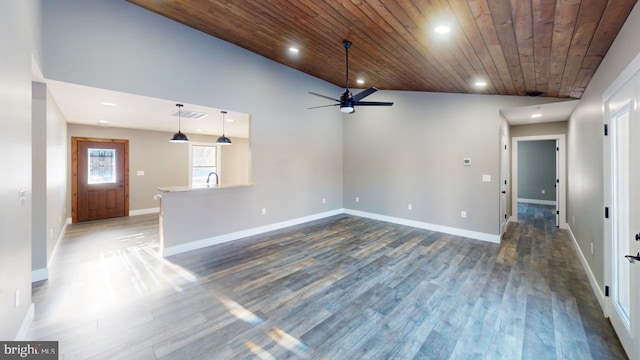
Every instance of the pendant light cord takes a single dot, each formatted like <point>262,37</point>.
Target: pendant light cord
<point>179,117</point>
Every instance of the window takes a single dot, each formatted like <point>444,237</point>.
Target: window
<point>204,161</point>
<point>102,166</point>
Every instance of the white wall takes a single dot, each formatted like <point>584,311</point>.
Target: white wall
<point>585,145</point>
<point>17,43</point>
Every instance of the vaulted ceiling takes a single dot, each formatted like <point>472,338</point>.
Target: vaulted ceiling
<point>516,46</point>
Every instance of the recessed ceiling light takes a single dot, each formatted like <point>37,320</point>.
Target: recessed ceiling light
<point>360,81</point>
<point>198,130</point>
<point>108,103</point>
<point>480,83</point>
<point>442,29</point>
<point>294,50</point>
<point>536,115</point>
<point>230,120</point>
<point>102,122</point>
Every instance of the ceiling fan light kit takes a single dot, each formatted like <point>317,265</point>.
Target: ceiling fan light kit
<point>348,101</point>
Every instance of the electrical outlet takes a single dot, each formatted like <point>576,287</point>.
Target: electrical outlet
<point>357,199</point>
<point>324,201</point>
<point>463,214</point>
<point>543,191</point>
<point>264,211</point>
<point>410,206</point>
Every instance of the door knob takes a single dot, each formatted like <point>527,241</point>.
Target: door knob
<point>633,258</point>
<point>504,192</point>
<point>637,237</point>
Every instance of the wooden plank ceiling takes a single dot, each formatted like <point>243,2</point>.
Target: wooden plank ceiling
<point>515,46</point>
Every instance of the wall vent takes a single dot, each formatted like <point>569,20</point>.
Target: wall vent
<point>189,114</point>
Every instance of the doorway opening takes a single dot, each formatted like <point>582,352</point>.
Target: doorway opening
<point>99,178</point>
<point>549,172</point>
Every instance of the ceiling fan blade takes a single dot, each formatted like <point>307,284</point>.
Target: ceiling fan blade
<point>321,106</point>
<point>323,96</point>
<point>364,93</point>
<point>373,103</point>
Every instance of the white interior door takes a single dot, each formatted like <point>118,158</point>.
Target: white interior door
<point>623,195</point>
<point>557,184</point>
<point>504,173</point>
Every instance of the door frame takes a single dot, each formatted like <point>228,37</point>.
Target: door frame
<point>74,172</point>
<point>561,164</point>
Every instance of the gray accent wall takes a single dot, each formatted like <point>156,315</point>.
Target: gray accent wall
<point>537,170</point>
<point>585,145</point>
<point>18,41</point>
<point>412,153</point>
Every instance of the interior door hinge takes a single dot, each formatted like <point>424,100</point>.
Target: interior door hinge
<point>606,290</point>
<point>606,212</point>
<point>606,130</point>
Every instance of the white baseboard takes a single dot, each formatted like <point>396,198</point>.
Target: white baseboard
<point>536,201</point>
<point>155,210</point>
<point>26,323</point>
<point>39,275</point>
<point>199,244</point>
<point>494,238</point>
<point>592,279</point>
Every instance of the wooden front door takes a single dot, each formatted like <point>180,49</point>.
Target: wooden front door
<point>100,178</point>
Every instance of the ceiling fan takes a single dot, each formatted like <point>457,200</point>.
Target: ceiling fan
<point>347,101</point>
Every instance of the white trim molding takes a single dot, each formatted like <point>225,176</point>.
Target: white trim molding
<point>155,210</point>
<point>39,274</point>
<point>592,279</point>
<point>536,201</point>
<point>199,244</point>
<point>562,174</point>
<point>493,238</point>
<point>220,239</point>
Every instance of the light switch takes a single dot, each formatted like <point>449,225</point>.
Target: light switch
<point>140,172</point>
<point>486,178</point>
<point>466,162</point>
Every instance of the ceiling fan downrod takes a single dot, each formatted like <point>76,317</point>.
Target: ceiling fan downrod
<point>347,45</point>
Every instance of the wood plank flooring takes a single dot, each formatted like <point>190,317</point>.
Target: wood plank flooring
<point>338,288</point>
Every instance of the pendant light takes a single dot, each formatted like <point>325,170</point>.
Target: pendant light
<point>179,137</point>
<point>223,140</point>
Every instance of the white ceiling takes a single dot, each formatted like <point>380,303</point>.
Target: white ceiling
<point>83,105</point>
<point>552,112</point>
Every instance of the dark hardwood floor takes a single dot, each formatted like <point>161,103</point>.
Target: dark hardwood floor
<point>338,288</point>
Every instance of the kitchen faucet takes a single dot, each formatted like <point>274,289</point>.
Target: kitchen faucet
<point>209,178</point>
